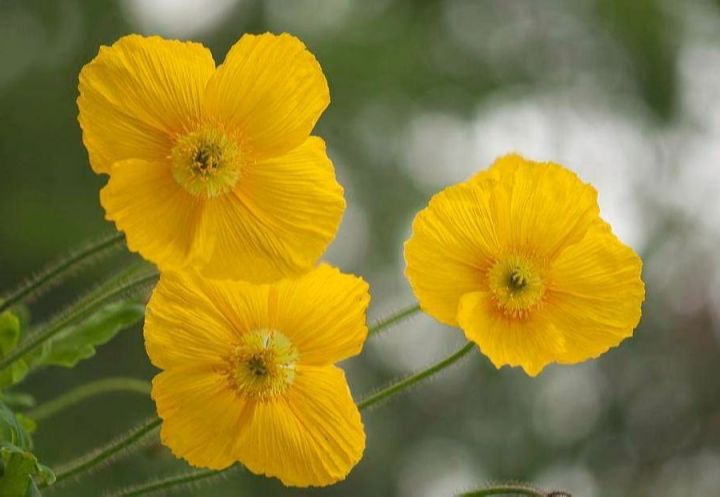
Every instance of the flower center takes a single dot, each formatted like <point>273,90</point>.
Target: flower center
<point>262,365</point>
<point>516,285</point>
<point>206,162</point>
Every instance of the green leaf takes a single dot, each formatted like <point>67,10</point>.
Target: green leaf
<point>70,345</point>
<point>45,474</point>
<point>19,467</point>
<point>78,342</point>
<point>32,490</point>
<point>12,430</point>
<point>9,336</point>
<point>14,373</point>
<point>29,425</point>
<point>18,399</point>
<point>9,332</point>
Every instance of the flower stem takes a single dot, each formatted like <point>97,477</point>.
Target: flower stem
<point>411,380</point>
<point>513,489</point>
<point>168,483</point>
<point>80,310</point>
<point>96,457</point>
<point>391,320</point>
<point>53,273</point>
<point>85,391</point>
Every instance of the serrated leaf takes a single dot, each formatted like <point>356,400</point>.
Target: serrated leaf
<point>78,342</point>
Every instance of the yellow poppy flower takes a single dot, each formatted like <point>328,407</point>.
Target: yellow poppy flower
<point>249,372</point>
<point>519,258</point>
<point>213,167</point>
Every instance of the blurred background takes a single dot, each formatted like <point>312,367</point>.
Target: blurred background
<point>626,93</point>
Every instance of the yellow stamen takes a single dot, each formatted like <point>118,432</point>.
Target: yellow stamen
<point>262,365</point>
<point>206,162</point>
<point>517,285</point>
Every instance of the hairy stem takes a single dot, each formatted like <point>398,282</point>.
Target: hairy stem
<point>393,319</point>
<point>513,489</point>
<point>96,457</point>
<point>413,379</point>
<point>82,309</point>
<point>86,391</point>
<point>56,271</point>
<point>165,484</point>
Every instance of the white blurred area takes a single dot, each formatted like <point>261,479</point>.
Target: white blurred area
<point>606,148</point>
<point>437,467</point>
<point>186,18</point>
<point>695,148</point>
<point>302,15</point>
<point>567,403</point>
<point>576,479</point>
<point>178,18</point>
<point>698,474</point>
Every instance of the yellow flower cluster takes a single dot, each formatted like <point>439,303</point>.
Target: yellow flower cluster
<point>215,178</point>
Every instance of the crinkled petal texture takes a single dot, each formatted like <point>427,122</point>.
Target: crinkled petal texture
<point>149,101</point>
<point>586,285</point>
<point>160,220</point>
<point>596,294</point>
<point>324,333</point>
<point>272,89</point>
<point>312,437</point>
<point>278,221</point>
<point>202,417</point>
<point>538,207</point>
<point>453,242</point>
<point>530,343</point>
<point>515,206</point>
<point>311,433</point>
<point>138,93</point>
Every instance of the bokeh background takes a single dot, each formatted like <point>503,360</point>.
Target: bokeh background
<point>625,92</point>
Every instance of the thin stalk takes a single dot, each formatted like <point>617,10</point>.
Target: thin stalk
<point>95,458</point>
<point>45,279</point>
<point>167,483</point>
<point>411,380</point>
<point>123,275</point>
<point>86,391</point>
<point>80,310</point>
<point>513,489</point>
<point>391,320</point>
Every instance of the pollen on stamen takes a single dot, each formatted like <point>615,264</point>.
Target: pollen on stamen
<point>263,365</point>
<point>516,285</point>
<point>206,162</point>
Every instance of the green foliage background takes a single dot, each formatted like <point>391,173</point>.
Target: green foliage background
<point>641,421</point>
